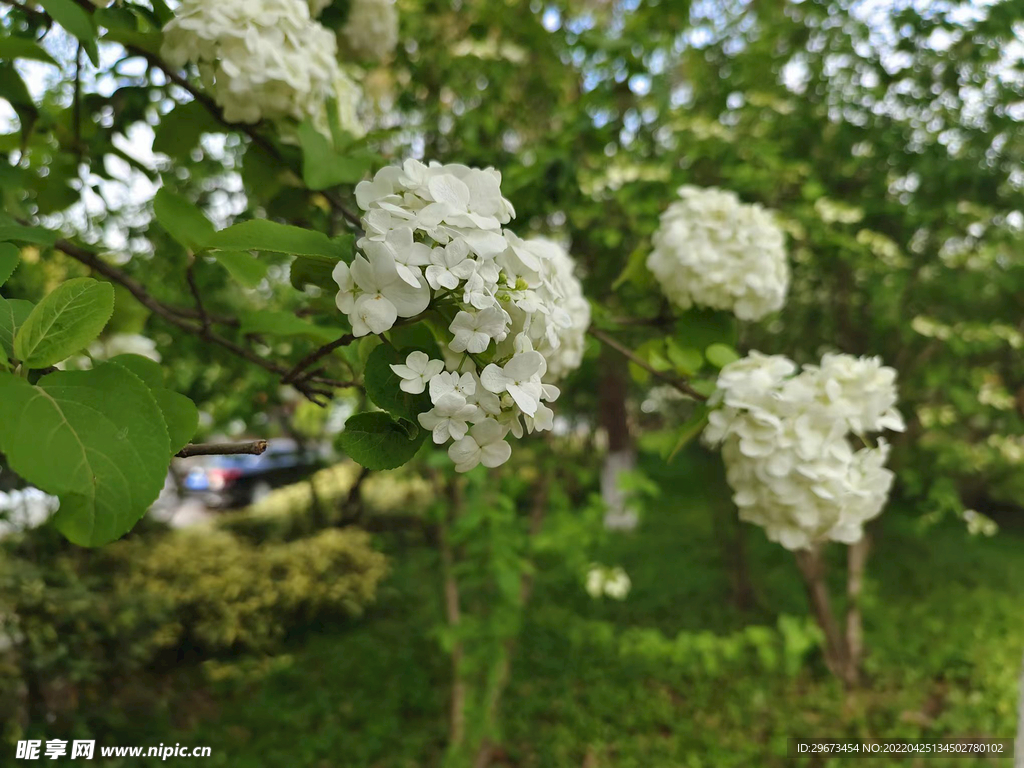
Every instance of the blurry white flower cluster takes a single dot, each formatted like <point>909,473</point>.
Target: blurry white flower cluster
<point>610,582</point>
<point>371,30</point>
<point>261,59</point>
<point>785,438</point>
<point>516,313</point>
<point>714,251</point>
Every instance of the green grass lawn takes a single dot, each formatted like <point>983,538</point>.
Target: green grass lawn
<point>673,676</point>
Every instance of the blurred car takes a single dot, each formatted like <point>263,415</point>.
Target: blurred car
<point>237,481</point>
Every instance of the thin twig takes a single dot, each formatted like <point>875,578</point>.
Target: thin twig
<point>630,355</point>
<point>316,355</point>
<point>252,448</point>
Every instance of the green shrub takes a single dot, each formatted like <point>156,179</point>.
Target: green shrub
<point>77,625</point>
<point>226,593</point>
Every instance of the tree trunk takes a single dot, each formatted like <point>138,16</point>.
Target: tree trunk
<point>856,559</point>
<point>812,568</point>
<point>613,390</point>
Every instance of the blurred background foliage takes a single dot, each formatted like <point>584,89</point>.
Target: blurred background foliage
<point>309,629</point>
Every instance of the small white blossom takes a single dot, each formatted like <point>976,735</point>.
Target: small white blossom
<point>520,377</point>
<point>448,418</point>
<point>417,371</point>
<point>485,444</point>
<point>474,331</point>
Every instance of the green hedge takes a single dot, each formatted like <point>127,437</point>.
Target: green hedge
<point>76,624</point>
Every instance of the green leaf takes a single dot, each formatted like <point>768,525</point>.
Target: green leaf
<point>13,312</point>
<point>635,271</point>
<point>418,336</point>
<point>382,384</point>
<point>376,441</point>
<point>284,324</point>
<point>18,233</point>
<point>77,22</point>
<point>720,355</point>
<point>145,41</point>
<point>701,328</point>
<point>179,130</point>
<point>653,352</point>
<point>23,48</point>
<point>693,427</point>
<point>96,439</point>
<point>242,266</point>
<point>10,255</point>
<point>313,270</point>
<point>65,321</point>
<point>264,235</point>
<point>180,415</point>
<point>323,167</point>
<point>182,220</point>
<point>686,360</point>
<point>149,371</point>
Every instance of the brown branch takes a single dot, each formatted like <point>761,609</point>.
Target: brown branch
<point>133,286</point>
<point>252,448</point>
<point>317,354</point>
<point>630,355</point>
<point>315,391</point>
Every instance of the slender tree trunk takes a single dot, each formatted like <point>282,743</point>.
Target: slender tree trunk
<point>453,614</point>
<point>812,568</point>
<point>1018,754</point>
<point>613,390</point>
<point>856,559</point>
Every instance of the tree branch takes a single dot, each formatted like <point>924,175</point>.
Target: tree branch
<point>630,355</point>
<point>314,389</point>
<point>252,448</point>
<point>315,355</point>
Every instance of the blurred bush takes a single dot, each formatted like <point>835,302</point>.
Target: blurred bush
<point>76,628</point>
<point>324,499</point>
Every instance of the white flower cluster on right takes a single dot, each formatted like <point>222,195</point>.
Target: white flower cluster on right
<point>261,59</point>
<point>786,442</point>
<point>714,251</point>
<point>371,30</point>
<point>513,307</point>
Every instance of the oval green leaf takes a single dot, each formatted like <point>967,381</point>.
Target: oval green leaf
<point>64,322</point>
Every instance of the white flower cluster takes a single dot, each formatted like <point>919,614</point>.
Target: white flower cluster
<point>714,251</point>
<point>785,439</point>
<point>609,582</point>
<point>260,59</point>
<point>516,313</point>
<point>371,30</point>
